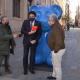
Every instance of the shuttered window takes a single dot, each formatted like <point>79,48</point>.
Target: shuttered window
<point>16,8</point>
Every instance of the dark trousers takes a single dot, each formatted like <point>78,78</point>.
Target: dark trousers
<point>32,49</point>
<point>6,61</point>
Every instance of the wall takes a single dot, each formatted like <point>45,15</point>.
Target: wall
<point>6,9</point>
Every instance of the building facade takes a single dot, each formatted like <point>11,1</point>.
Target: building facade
<point>62,3</point>
<point>77,17</point>
<point>17,10</point>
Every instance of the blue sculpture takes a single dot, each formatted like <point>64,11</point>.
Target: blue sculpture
<point>43,53</point>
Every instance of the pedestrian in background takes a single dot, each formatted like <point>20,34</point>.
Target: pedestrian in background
<point>68,26</point>
<point>31,29</point>
<point>56,43</point>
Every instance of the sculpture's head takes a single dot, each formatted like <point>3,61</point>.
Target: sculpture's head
<point>44,11</point>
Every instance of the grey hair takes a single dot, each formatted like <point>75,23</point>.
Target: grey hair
<point>54,16</point>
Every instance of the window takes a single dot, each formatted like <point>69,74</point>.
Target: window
<point>16,8</point>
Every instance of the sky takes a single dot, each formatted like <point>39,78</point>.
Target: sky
<point>73,7</point>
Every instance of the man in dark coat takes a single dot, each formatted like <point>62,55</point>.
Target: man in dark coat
<point>30,40</point>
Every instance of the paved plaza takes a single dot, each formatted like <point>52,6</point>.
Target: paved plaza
<point>70,63</point>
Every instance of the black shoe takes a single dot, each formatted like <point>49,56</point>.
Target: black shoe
<point>32,71</point>
<point>50,77</point>
<point>25,73</point>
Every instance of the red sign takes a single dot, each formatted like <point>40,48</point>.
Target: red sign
<point>34,28</point>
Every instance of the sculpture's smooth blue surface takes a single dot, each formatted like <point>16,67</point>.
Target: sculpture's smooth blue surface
<point>43,53</point>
